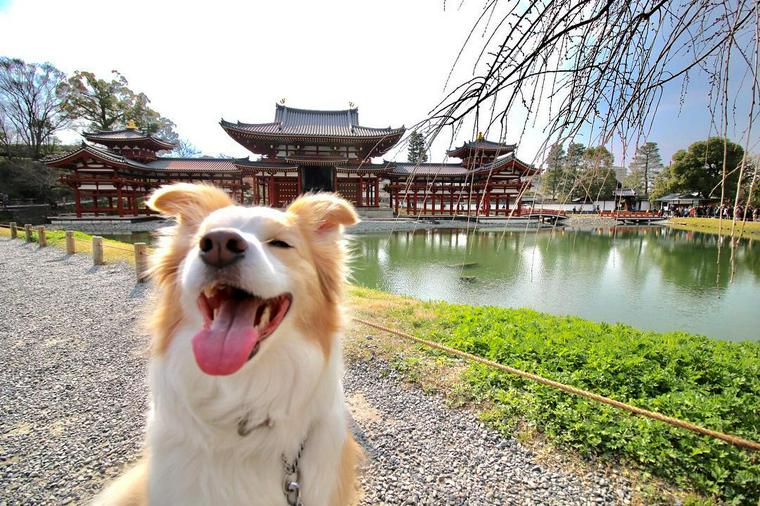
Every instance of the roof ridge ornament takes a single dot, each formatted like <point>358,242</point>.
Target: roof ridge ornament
<point>131,125</point>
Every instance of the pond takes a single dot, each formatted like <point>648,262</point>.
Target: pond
<point>653,278</point>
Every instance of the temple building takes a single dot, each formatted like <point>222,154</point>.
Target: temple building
<point>114,178</point>
<point>301,150</point>
<point>309,150</point>
<point>489,180</point>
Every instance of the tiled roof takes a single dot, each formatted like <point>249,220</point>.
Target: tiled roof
<point>454,169</point>
<point>428,169</point>
<point>126,134</point>
<point>482,146</point>
<point>311,122</point>
<point>160,164</point>
<point>196,164</point>
<point>95,152</point>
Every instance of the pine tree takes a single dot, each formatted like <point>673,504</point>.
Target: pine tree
<point>417,152</point>
<point>554,177</point>
<point>645,166</point>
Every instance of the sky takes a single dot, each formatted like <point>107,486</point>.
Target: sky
<point>201,61</point>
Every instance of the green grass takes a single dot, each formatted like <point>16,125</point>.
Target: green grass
<point>712,383</point>
<point>113,251</point>
<point>748,230</point>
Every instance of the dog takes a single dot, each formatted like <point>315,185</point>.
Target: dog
<point>247,403</point>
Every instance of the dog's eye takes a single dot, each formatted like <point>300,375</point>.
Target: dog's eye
<point>279,244</point>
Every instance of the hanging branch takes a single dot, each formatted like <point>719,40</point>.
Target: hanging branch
<point>597,65</point>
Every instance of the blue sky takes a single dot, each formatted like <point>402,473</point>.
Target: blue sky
<point>201,61</point>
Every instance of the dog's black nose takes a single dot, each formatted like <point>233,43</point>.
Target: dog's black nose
<point>222,247</point>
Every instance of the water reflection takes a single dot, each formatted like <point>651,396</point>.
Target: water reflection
<point>654,278</point>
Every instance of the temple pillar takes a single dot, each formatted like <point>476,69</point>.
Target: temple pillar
<point>77,201</point>
<point>119,204</point>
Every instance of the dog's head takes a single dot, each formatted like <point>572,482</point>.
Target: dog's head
<point>248,277</point>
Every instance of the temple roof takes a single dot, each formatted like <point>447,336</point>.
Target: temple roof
<point>167,164</point>
<point>128,136</point>
<point>458,169</point>
<point>428,169</point>
<point>289,121</point>
<point>481,146</point>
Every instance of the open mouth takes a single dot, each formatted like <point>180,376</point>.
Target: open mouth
<point>235,323</point>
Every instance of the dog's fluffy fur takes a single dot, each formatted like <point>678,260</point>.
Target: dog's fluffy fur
<point>194,452</point>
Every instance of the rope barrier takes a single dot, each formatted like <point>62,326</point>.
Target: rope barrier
<point>118,248</point>
<point>728,438</point>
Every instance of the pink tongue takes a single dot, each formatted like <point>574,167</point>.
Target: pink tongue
<point>224,347</point>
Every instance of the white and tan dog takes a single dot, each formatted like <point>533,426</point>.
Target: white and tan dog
<point>247,406</point>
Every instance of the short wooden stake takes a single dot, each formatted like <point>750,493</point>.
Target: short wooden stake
<point>14,230</point>
<point>70,243</point>
<point>141,261</point>
<point>28,232</point>
<point>97,250</point>
<point>41,239</point>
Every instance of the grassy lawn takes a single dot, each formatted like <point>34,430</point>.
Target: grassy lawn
<point>748,230</point>
<point>712,383</point>
<point>113,251</point>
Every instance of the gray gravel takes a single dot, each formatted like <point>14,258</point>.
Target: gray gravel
<point>74,400</point>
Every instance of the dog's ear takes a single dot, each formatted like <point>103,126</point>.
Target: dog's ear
<point>189,203</point>
<point>323,213</point>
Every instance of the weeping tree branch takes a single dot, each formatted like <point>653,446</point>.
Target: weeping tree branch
<point>598,66</point>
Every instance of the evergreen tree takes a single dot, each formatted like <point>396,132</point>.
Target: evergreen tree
<point>645,166</point>
<point>700,168</point>
<point>595,178</point>
<point>553,180</point>
<point>417,152</point>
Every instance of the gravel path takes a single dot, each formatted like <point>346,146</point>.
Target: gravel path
<point>74,400</point>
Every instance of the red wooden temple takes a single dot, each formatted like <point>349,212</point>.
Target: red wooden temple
<point>311,150</point>
<point>489,180</point>
<point>114,179</point>
<point>301,150</point>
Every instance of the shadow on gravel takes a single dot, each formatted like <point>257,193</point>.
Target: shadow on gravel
<point>61,258</point>
<point>139,290</point>
<point>94,269</point>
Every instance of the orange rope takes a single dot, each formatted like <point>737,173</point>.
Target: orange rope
<point>734,440</point>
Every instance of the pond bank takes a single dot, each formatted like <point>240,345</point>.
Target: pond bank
<point>748,230</point>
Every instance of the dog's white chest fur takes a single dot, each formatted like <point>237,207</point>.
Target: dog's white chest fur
<point>197,455</point>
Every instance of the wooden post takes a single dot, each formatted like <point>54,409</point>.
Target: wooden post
<point>141,261</point>
<point>97,250</point>
<point>41,239</point>
<point>14,230</point>
<point>70,243</point>
<point>28,232</point>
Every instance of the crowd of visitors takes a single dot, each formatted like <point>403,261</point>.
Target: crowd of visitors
<point>716,211</point>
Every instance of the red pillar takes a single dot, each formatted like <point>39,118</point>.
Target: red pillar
<point>77,201</point>
<point>119,204</point>
<point>377,191</point>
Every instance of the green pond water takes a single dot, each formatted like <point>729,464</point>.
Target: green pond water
<point>653,278</point>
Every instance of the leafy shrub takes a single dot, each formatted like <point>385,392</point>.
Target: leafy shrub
<point>712,383</point>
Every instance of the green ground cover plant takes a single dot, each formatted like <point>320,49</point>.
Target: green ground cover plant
<point>712,383</point>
